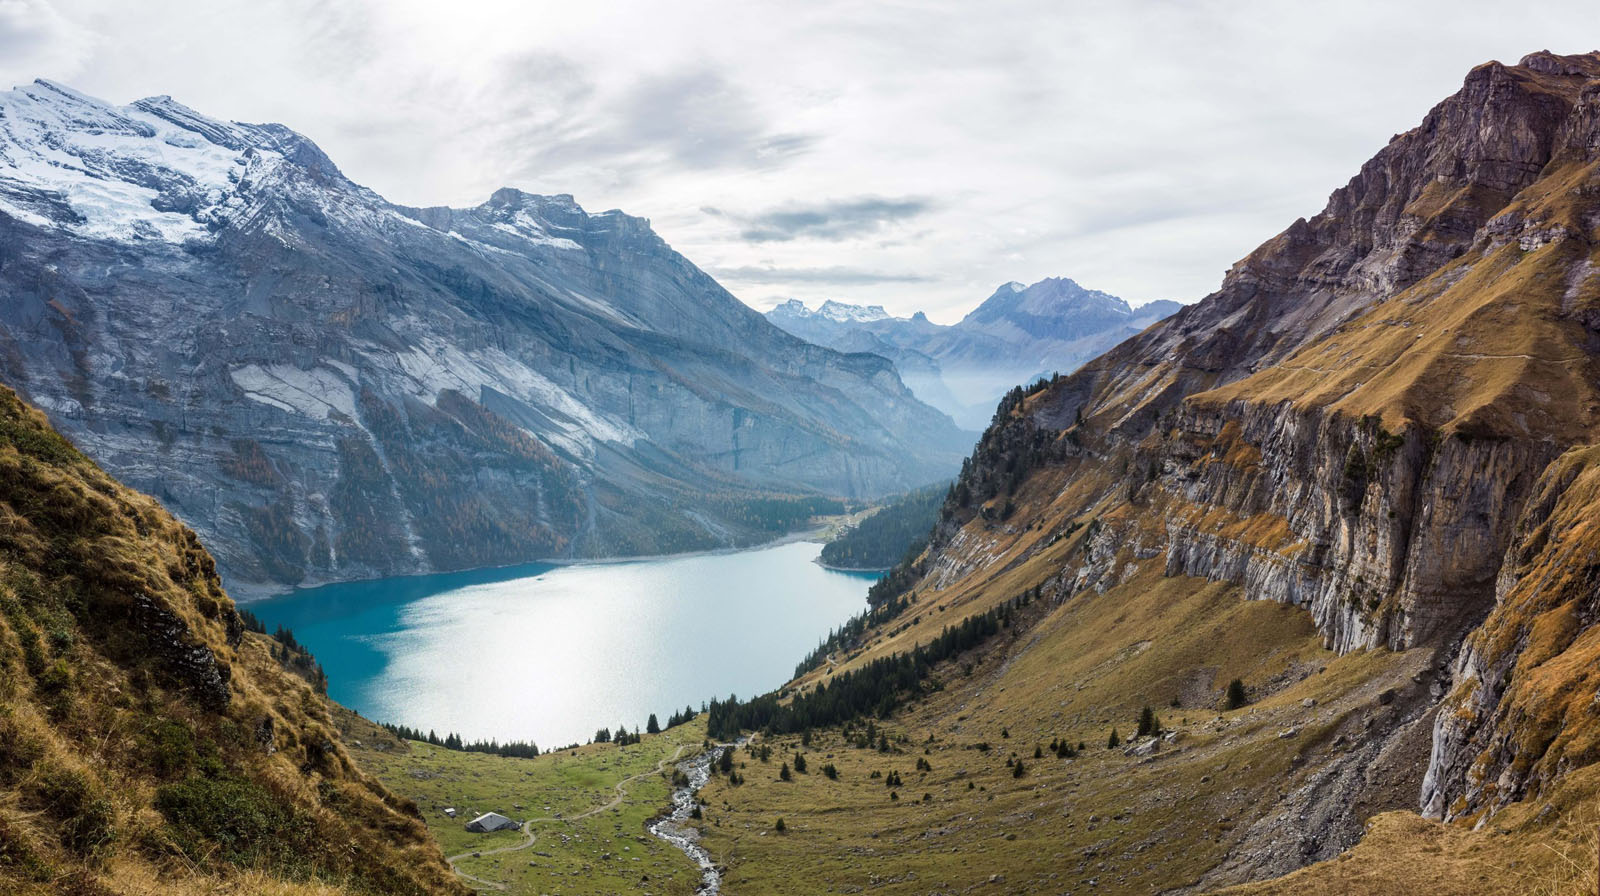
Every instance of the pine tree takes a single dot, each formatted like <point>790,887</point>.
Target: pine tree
<point>800,763</point>
<point>1149,725</point>
<point>1114,741</point>
<point>1236,695</point>
<point>652,726</point>
<point>783,773</point>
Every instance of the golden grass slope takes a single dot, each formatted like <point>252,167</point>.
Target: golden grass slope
<point>148,744</point>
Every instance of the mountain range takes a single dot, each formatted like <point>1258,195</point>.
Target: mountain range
<point>328,386</point>
<point>1017,335</point>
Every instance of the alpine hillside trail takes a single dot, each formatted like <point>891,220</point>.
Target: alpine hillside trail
<point>619,791</point>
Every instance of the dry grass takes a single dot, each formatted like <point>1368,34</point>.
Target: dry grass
<point>1130,824</point>
<point>122,767</point>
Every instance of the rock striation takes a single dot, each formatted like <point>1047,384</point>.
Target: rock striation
<point>1385,415</point>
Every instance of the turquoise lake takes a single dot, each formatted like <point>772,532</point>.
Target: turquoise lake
<point>551,653</point>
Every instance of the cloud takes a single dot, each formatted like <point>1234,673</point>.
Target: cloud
<point>908,155</point>
<point>36,39</point>
<point>833,221</point>
<point>830,276</point>
<point>685,122</point>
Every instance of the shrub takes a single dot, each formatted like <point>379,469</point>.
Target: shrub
<point>237,818</point>
<point>87,818</point>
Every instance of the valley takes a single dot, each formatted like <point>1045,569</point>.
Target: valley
<point>563,570</point>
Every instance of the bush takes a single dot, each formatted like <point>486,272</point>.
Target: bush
<point>779,826</point>
<point>87,818</point>
<point>236,818</point>
<point>169,749</point>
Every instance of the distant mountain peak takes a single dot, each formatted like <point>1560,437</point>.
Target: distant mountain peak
<point>843,311</point>
<point>830,310</point>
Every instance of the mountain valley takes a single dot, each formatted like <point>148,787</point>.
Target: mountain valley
<point>1017,335</point>
<point>1291,590</point>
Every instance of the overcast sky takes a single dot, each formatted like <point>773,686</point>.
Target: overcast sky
<point>914,155</point>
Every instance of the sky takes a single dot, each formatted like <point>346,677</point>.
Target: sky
<point>911,155</point>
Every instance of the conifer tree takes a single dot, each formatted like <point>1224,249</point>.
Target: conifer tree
<point>1236,696</point>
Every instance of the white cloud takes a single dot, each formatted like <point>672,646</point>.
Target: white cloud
<point>1137,147</point>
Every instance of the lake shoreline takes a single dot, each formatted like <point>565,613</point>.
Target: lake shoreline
<point>880,570</point>
<point>247,593</point>
<point>498,654</point>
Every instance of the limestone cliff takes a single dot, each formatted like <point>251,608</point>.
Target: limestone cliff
<point>1381,417</point>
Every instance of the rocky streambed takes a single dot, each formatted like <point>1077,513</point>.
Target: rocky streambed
<point>673,827</point>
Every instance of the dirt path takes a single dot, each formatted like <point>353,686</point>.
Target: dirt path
<point>620,791</point>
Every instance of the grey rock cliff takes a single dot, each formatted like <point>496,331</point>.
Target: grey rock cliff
<point>329,386</point>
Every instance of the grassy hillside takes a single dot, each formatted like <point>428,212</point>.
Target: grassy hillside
<point>589,808</point>
<point>1359,479</point>
<point>148,742</point>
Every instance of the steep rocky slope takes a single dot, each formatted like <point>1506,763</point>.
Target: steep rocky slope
<point>149,743</point>
<point>329,386</point>
<point>1015,336</point>
<point>1384,417</point>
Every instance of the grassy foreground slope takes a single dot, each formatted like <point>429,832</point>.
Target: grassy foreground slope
<point>148,742</point>
<point>589,808</point>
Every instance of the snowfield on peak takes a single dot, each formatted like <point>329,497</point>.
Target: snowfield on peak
<point>119,173</point>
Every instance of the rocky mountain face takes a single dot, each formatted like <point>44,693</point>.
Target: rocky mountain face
<point>1385,416</point>
<point>150,742</point>
<point>329,386</point>
<point>1017,335</point>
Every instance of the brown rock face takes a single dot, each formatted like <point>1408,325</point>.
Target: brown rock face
<point>1364,419</point>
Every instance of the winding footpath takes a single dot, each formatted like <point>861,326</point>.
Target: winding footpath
<point>620,790</point>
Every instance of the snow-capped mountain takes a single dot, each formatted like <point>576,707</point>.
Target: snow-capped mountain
<point>1018,334</point>
<point>329,386</point>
